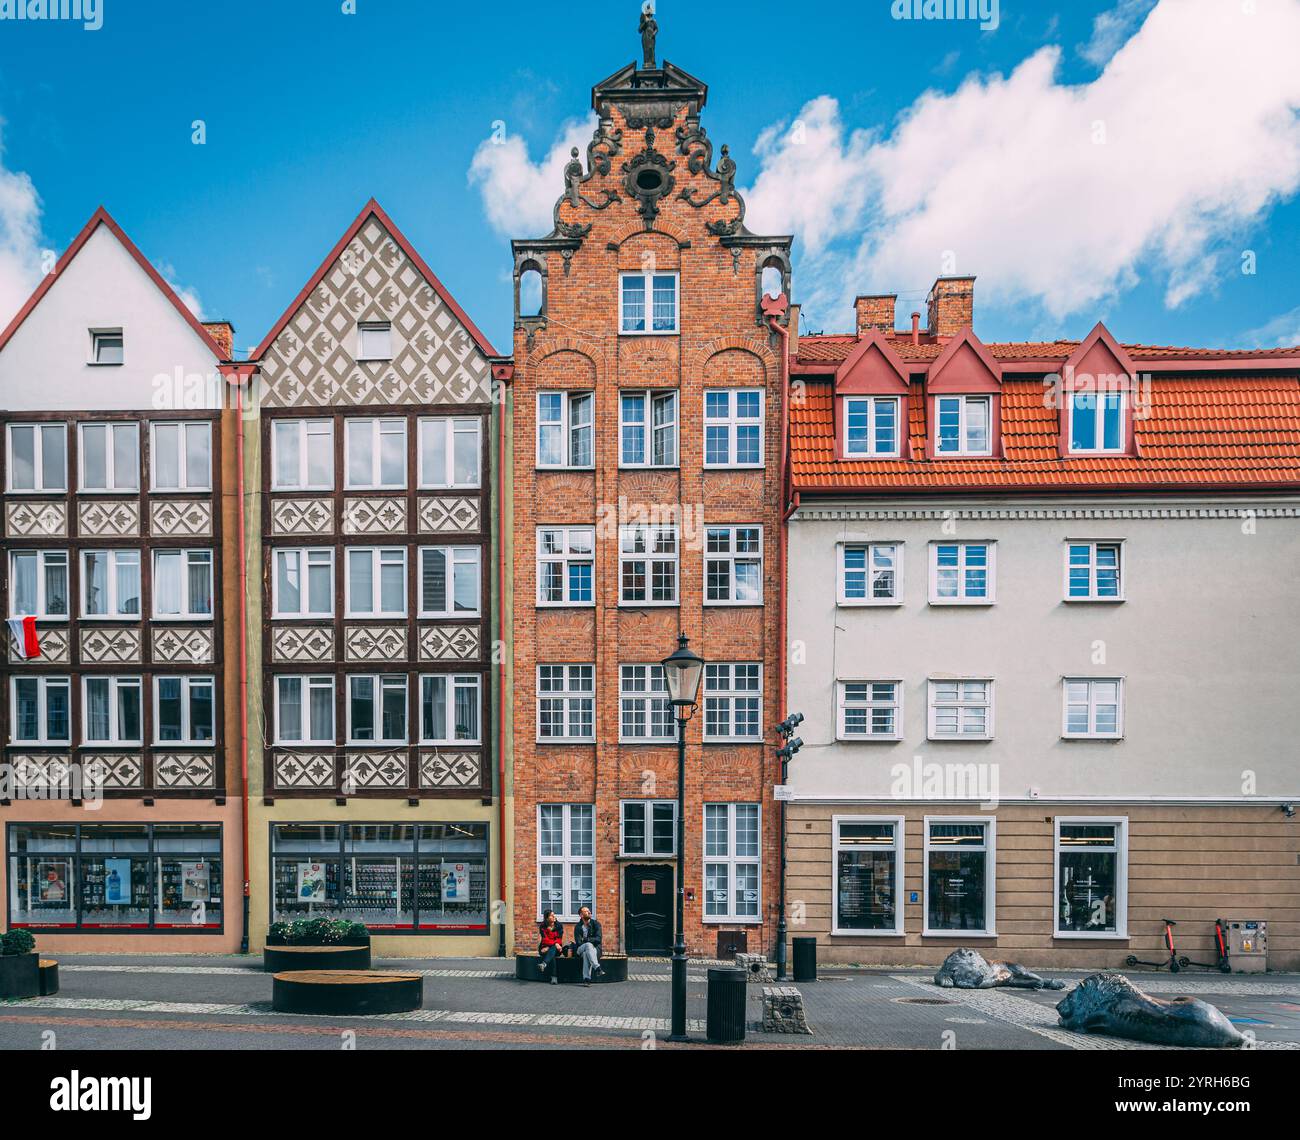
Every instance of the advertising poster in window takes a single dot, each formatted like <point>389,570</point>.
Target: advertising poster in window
<point>117,882</point>
<point>52,882</point>
<point>194,882</point>
<point>311,882</point>
<point>455,883</point>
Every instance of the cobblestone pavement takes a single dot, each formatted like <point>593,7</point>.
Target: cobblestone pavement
<point>191,1002</point>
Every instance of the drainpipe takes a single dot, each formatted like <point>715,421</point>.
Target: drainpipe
<point>503,373</point>
<point>237,376</point>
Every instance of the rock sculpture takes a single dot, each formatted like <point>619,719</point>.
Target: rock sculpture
<point>967,970</point>
<point>1111,1004</point>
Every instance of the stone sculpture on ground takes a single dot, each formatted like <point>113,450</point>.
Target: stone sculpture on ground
<point>967,970</point>
<point>1111,1004</point>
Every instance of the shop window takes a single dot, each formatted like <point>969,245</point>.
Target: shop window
<point>868,881</point>
<point>116,878</point>
<point>1091,856</point>
<point>959,875</point>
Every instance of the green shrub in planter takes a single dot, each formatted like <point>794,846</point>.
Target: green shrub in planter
<point>17,942</point>
<point>318,932</point>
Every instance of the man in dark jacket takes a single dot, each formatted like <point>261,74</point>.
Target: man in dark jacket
<point>587,940</point>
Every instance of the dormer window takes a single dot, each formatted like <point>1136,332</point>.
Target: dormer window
<point>963,425</point>
<point>1097,422</point>
<point>106,346</point>
<point>871,427</point>
<point>647,304</point>
<point>376,341</point>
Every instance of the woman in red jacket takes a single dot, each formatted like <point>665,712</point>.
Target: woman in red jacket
<point>550,946</point>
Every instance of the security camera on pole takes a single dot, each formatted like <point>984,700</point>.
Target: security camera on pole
<point>785,754</point>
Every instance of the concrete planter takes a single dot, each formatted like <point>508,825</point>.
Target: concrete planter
<point>20,975</point>
<point>276,959</point>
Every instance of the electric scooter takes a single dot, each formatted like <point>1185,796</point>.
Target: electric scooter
<point>1174,962</point>
<point>1221,943</point>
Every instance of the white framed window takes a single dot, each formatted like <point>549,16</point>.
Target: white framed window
<point>733,566</point>
<point>566,703</point>
<point>110,584</point>
<point>733,427</point>
<point>962,573</point>
<point>1097,422</point>
<point>645,714</point>
<point>566,565</point>
<point>111,710</point>
<point>1094,708</point>
<point>647,429</point>
<point>648,304</point>
<point>872,427</point>
<point>40,710</point>
<point>304,710</point>
<point>450,452</point>
<point>450,705</point>
<point>867,883</point>
<point>181,456</point>
<point>1090,876</point>
<point>374,454</point>
<point>182,584</point>
<point>732,861</point>
<point>566,859</point>
<point>302,583</point>
<point>184,712</point>
<point>870,710</point>
<point>963,425</point>
<point>871,574</point>
<point>38,584</point>
<point>1094,571</point>
<point>38,458</point>
<point>375,583</point>
<point>647,565</point>
<point>109,457</point>
<point>564,429</point>
<point>451,581</point>
<point>375,340</point>
<point>107,346</point>
<point>302,455</point>
<point>960,875</point>
<point>648,827</point>
<point>377,709</point>
<point>733,702</point>
<point>960,709</point>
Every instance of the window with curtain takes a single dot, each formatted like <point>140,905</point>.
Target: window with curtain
<point>449,709</point>
<point>182,584</point>
<point>111,583</point>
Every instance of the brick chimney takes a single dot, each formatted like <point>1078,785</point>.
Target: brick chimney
<point>794,330</point>
<point>223,332</point>
<point>951,305</point>
<point>876,312</point>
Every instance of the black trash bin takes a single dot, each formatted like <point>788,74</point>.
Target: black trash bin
<point>805,959</point>
<point>726,1017</point>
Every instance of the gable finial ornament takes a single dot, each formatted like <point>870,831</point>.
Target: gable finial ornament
<point>649,29</point>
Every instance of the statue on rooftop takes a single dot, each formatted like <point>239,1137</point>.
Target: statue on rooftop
<point>649,31</point>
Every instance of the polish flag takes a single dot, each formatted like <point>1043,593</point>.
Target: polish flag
<point>25,639</point>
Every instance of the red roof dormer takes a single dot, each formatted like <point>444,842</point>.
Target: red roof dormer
<point>872,374</point>
<point>1098,396</point>
<point>963,401</point>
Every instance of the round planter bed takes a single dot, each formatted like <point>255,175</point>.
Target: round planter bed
<point>569,970</point>
<point>277,959</point>
<point>49,970</point>
<point>20,976</point>
<point>346,993</point>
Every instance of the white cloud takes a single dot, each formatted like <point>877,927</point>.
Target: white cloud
<point>1111,29</point>
<point>20,231</point>
<point>189,296</point>
<point>519,194</point>
<point>1282,331</point>
<point>1201,137</point>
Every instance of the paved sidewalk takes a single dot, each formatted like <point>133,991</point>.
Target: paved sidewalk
<point>193,1002</point>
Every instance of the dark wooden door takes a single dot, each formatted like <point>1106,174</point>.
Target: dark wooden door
<point>649,909</point>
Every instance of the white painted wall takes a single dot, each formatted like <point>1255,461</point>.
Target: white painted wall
<point>44,366</point>
<point>1208,641</point>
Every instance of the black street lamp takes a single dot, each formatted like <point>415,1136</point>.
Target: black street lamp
<point>785,754</point>
<point>682,672</point>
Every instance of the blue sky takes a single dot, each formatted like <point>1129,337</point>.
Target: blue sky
<point>310,110</point>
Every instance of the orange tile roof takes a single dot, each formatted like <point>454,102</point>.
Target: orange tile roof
<point>815,350</point>
<point>1199,432</point>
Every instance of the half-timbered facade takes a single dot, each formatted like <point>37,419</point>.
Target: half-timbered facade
<point>373,746</point>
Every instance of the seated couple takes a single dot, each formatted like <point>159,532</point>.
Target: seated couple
<point>586,945</point>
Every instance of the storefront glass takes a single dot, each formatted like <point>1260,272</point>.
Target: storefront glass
<point>957,870</point>
<point>115,877</point>
<point>866,868</point>
<point>1087,878</point>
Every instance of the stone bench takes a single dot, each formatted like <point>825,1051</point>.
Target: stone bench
<point>783,1010</point>
<point>756,967</point>
<point>569,970</point>
<point>346,993</point>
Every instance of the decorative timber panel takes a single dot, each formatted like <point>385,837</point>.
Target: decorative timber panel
<point>180,518</point>
<point>299,770</point>
<point>374,770</point>
<point>374,643</point>
<point>182,645</point>
<point>302,643</point>
<point>302,516</point>
<point>374,516</point>
<point>54,648</point>
<point>108,518</point>
<point>36,520</point>
<point>440,515</point>
<point>184,770</point>
<point>439,770</point>
<point>450,643</point>
<point>110,645</point>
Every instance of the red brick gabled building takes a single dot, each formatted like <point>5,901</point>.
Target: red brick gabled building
<point>646,418</point>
